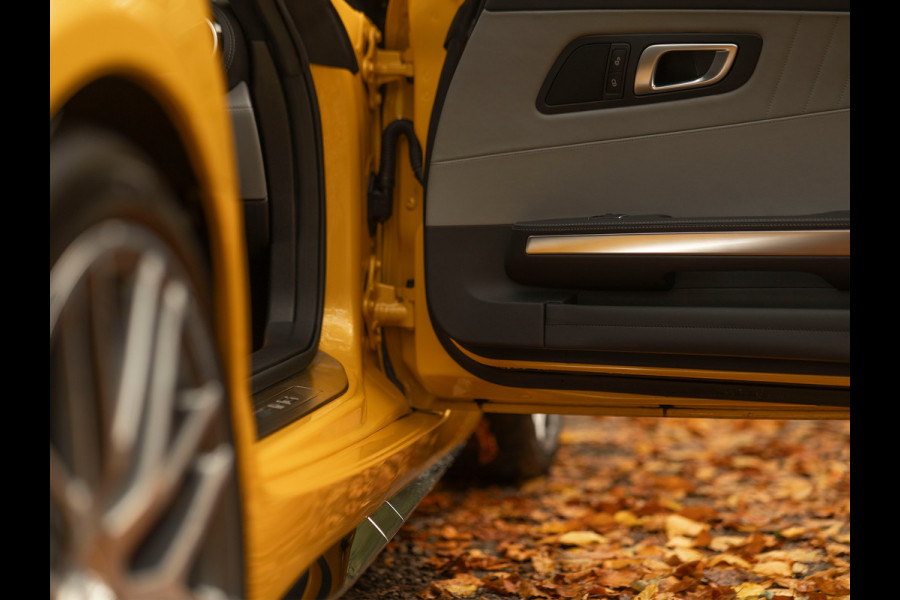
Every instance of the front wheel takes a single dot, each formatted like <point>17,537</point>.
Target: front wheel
<point>143,486</point>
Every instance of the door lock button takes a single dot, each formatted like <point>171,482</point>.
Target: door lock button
<point>614,85</point>
<point>618,58</point>
<point>615,71</point>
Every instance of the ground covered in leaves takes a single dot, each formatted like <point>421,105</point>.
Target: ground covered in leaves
<point>642,509</point>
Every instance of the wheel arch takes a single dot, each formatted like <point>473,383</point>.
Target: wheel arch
<point>150,73</point>
<point>127,108</point>
<point>150,117</point>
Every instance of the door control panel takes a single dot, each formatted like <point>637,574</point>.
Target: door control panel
<point>604,71</point>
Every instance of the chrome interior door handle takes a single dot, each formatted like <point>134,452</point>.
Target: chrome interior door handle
<point>671,67</point>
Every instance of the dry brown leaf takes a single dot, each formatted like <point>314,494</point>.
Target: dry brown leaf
<point>569,591</point>
<point>543,564</point>
<point>676,525</point>
<point>729,559</point>
<point>688,568</point>
<point>501,583</point>
<point>648,593</point>
<point>701,513</point>
<point>449,532</point>
<point>703,539</point>
<point>680,542</point>
<point>842,538</point>
<point>627,518</point>
<point>687,555</point>
<point>798,489</point>
<point>750,591</point>
<point>621,563</point>
<point>835,549</point>
<point>748,462</point>
<point>799,568</point>
<point>461,586</point>
<point>516,552</point>
<point>674,585</point>
<point>650,549</point>
<point>723,543</point>
<point>599,521</point>
<point>657,566</point>
<point>526,590</point>
<point>553,527</point>
<point>579,561</point>
<point>755,544</point>
<point>832,582</point>
<point>674,483</point>
<point>790,533</point>
<point>581,538</point>
<point>655,522</point>
<point>616,578</point>
<point>773,568</point>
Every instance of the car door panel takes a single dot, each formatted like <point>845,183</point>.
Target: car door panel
<point>760,165</point>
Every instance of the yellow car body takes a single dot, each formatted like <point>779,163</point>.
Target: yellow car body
<point>306,486</point>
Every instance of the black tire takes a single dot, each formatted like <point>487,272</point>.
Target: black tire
<point>509,449</point>
<point>144,498</point>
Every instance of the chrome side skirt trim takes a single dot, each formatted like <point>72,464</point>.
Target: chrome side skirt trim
<point>377,530</point>
<point>831,242</point>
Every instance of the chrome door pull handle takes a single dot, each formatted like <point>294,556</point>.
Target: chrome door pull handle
<point>672,67</point>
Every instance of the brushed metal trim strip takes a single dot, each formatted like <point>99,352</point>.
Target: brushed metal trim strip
<point>831,242</point>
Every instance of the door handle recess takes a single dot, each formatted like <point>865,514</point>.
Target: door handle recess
<point>672,67</point>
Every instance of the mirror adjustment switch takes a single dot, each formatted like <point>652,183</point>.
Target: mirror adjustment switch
<point>614,86</point>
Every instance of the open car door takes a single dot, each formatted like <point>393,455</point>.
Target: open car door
<point>645,198</point>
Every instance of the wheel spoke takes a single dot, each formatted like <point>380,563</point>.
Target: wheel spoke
<point>204,406</point>
<point>161,449</point>
<point>106,319</point>
<point>213,470</point>
<point>132,394</point>
<point>81,443</point>
<point>71,503</point>
<point>164,457</point>
<point>210,475</point>
<point>68,497</point>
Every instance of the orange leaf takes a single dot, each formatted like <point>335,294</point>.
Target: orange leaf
<point>543,564</point>
<point>461,586</point>
<point>581,538</point>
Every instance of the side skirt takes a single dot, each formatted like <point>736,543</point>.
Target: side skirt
<point>339,568</point>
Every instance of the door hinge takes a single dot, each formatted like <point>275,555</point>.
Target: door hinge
<point>380,66</point>
<point>384,305</point>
